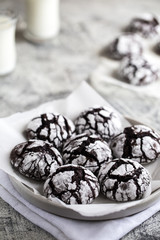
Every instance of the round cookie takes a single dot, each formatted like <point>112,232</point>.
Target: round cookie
<point>124,45</point>
<point>35,159</point>
<point>138,71</point>
<point>102,121</point>
<point>90,152</point>
<point>138,142</point>
<point>72,184</point>
<point>53,128</point>
<point>124,180</point>
<point>146,25</point>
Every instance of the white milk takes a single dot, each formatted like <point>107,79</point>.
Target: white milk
<point>7,44</point>
<point>42,18</point>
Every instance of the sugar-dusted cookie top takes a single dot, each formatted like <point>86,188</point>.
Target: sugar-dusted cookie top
<point>72,184</point>
<point>50,127</point>
<point>138,142</point>
<point>100,120</point>
<point>138,71</point>
<point>124,180</point>
<point>35,159</point>
<point>89,151</point>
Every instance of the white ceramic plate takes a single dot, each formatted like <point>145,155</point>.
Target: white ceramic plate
<point>11,129</point>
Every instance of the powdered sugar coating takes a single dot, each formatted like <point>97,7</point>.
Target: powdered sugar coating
<point>138,71</point>
<point>102,121</point>
<point>50,127</point>
<point>124,45</point>
<point>72,184</point>
<point>35,159</point>
<point>146,25</point>
<point>137,142</point>
<point>88,151</point>
<point>124,180</point>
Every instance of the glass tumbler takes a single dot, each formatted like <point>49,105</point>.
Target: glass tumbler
<point>8,54</point>
<point>42,19</point>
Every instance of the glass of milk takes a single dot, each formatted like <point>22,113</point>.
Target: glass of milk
<point>7,41</point>
<point>42,19</point>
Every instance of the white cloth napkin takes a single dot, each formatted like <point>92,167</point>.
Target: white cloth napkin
<point>68,229</point>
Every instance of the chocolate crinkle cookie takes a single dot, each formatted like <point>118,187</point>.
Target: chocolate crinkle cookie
<point>35,159</point>
<point>101,120</point>
<point>146,25</point>
<point>138,71</point>
<point>89,151</point>
<point>124,45</point>
<point>124,180</point>
<point>50,127</point>
<point>138,142</point>
<point>72,184</point>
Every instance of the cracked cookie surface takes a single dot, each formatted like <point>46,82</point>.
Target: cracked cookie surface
<point>88,151</point>
<point>137,142</point>
<point>50,127</point>
<point>124,180</point>
<point>72,184</point>
<point>138,71</point>
<point>35,159</point>
<point>100,120</point>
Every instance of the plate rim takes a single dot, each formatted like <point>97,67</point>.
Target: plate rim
<point>38,200</point>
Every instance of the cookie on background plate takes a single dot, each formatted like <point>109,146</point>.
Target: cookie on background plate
<point>124,45</point>
<point>147,25</point>
<point>138,71</point>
